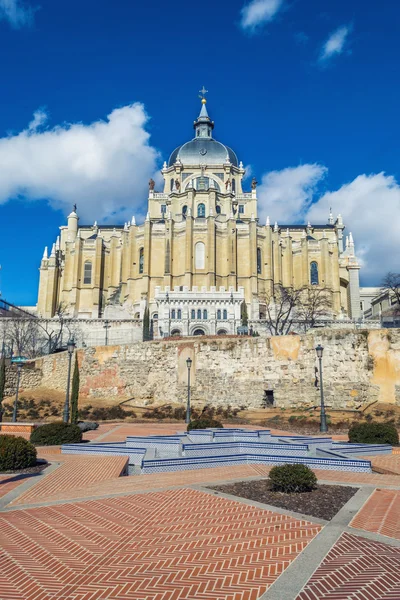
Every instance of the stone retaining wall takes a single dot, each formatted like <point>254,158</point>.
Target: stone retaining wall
<point>359,367</point>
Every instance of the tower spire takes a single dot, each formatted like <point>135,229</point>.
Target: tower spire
<point>203,126</point>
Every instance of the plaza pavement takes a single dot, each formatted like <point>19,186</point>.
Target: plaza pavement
<point>82,531</point>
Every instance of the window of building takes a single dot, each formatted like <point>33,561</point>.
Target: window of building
<point>314,277</point>
<point>155,317</point>
<point>87,272</point>
<point>200,252</point>
<point>203,183</point>
<point>141,260</point>
<point>201,210</point>
<point>233,185</point>
<point>179,313</point>
<point>171,184</point>
<point>193,314</point>
<point>184,211</point>
<point>225,313</point>
<point>259,260</point>
<point>173,314</point>
<point>199,314</point>
<point>241,209</point>
<point>218,314</point>
<point>218,209</point>
<point>163,209</point>
<point>205,314</point>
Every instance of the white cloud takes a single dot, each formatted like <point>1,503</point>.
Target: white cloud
<point>370,206</point>
<point>285,195</point>
<point>16,13</point>
<point>335,44</point>
<point>104,167</point>
<point>258,13</point>
<point>248,172</point>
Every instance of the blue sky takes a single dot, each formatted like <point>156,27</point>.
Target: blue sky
<point>306,92</point>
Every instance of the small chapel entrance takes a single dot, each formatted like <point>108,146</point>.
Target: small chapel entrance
<point>198,332</point>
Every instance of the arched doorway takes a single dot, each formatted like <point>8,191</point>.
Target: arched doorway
<point>175,333</point>
<point>222,332</point>
<point>199,332</point>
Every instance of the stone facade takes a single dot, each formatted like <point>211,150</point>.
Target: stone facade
<point>359,367</point>
<point>201,232</point>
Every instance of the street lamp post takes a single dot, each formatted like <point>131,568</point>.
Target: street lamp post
<point>106,327</point>
<point>189,364</point>
<point>323,425</point>
<point>71,348</point>
<point>15,411</point>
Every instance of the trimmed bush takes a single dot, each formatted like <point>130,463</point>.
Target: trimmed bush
<point>373,433</point>
<point>54,434</point>
<point>87,426</point>
<point>204,423</point>
<point>16,453</point>
<point>292,479</point>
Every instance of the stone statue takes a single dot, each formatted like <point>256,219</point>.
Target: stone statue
<point>177,185</point>
<point>228,185</point>
<point>254,183</point>
<point>74,208</point>
<point>152,184</point>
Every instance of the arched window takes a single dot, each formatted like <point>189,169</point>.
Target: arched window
<point>141,260</point>
<point>179,313</point>
<point>218,314</point>
<point>201,210</point>
<point>193,314</point>
<point>87,272</point>
<point>314,277</point>
<point>200,252</point>
<point>225,314</point>
<point>199,314</point>
<point>233,185</point>
<point>205,316</point>
<point>155,317</point>
<point>171,184</point>
<point>259,261</point>
<point>218,209</point>
<point>173,314</point>
<point>184,211</point>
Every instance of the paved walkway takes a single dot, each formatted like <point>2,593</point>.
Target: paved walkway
<point>80,531</point>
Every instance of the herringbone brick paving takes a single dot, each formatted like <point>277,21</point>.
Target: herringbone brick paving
<point>389,463</point>
<point>179,544</point>
<point>380,514</point>
<point>75,472</point>
<point>356,569</point>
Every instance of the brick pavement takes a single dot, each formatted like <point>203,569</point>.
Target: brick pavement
<point>75,472</point>
<point>9,482</point>
<point>387,463</point>
<point>356,569</point>
<point>179,544</point>
<point>380,514</point>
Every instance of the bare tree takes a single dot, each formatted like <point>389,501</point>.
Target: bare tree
<point>315,305</point>
<point>281,309</point>
<point>22,336</point>
<point>391,284</point>
<point>53,329</point>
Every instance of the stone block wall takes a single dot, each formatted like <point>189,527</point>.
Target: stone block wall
<point>358,366</point>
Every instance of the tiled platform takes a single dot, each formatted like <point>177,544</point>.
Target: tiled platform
<point>178,544</point>
<point>356,569</point>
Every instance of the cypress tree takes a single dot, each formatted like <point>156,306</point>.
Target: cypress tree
<point>244,315</point>
<point>75,392</point>
<point>2,383</point>
<point>146,325</point>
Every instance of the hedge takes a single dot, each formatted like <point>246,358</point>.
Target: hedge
<point>54,434</point>
<point>373,433</point>
<point>16,453</point>
<point>204,423</point>
<point>292,479</point>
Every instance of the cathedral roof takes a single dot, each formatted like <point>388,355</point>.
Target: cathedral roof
<point>203,149</point>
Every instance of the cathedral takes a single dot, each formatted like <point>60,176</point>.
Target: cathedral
<point>199,255</point>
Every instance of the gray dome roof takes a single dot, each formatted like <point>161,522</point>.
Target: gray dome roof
<point>200,151</point>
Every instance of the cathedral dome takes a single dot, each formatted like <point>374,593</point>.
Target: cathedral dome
<point>203,149</point>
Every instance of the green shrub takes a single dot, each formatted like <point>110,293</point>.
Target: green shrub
<point>16,453</point>
<point>204,423</point>
<point>292,479</point>
<point>54,434</point>
<point>373,433</point>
